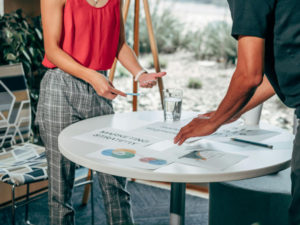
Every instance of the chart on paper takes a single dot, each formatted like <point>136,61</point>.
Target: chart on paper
<point>139,158</point>
<point>211,159</point>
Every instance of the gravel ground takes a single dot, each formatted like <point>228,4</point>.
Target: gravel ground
<point>215,79</point>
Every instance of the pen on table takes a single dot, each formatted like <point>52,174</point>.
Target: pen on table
<point>252,143</point>
<point>133,94</point>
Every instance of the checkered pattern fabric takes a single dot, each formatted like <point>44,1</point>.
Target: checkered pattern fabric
<point>63,101</point>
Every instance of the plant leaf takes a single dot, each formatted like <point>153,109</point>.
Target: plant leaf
<point>10,57</point>
<point>26,55</point>
<point>38,33</point>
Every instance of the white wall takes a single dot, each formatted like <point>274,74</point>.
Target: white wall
<point>1,7</point>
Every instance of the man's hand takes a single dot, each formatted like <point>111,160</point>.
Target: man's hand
<point>148,80</point>
<point>199,126</point>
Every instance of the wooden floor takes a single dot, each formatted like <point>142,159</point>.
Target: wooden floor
<point>199,190</point>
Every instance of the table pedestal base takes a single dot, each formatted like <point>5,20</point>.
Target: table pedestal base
<point>177,204</point>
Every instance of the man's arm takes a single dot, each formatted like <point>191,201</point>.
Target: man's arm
<point>245,80</point>
<point>262,93</point>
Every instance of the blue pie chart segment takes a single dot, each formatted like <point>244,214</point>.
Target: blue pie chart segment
<point>119,153</point>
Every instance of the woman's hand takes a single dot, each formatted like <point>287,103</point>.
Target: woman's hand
<point>199,126</point>
<point>148,80</point>
<point>103,87</point>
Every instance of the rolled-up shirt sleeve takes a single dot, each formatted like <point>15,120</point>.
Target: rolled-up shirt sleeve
<point>250,17</point>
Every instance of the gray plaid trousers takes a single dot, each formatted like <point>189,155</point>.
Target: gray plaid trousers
<point>64,100</point>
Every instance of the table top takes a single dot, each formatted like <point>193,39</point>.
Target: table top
<point>257,163</point>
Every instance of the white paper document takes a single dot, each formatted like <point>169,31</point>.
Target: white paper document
<point>116,138</point>
<point>211,159</point>
<point>165,130</point>
<point>168,149</point>
<point>152,147</point>
<point>132,149</point>
<point>139,158</point>
<point>242,132</point>
<point>161,130</point>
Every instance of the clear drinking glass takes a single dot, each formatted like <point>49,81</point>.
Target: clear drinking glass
<point>172,104</point>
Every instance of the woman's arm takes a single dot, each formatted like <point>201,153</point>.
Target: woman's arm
<point>52,20</point>
<point>129,60</point>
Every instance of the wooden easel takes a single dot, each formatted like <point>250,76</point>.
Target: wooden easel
<point>136,45</point>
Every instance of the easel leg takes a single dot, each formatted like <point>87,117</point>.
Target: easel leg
<point>87,188</point>
<point>136,47</point>
<point>126,9</point>
<point>153,45</point>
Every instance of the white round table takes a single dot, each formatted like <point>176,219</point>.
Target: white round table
<point>257,163</point>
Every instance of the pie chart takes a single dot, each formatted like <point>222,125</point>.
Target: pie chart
<point>119,153</point>
<point>153,161</point>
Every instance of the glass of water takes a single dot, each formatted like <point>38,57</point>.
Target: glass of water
<point>172,104</point>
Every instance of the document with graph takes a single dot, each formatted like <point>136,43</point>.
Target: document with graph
<point>132,148</point>
<point>211,159</point>
<point>133,157</point>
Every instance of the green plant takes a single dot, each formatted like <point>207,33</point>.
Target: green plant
<point>163,63</point>
<point>214,42</point>
<point>21,40</point>
<point>167,29</point>
<point>194,83</point>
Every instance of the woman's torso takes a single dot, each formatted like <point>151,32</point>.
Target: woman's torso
<point>90,35</point>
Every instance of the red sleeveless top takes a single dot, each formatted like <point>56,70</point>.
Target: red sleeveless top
<point>90,35</point>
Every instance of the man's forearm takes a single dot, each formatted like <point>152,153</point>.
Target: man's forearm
<point>262,93</point>
<point>240,91</point>
<point>245,80</point>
